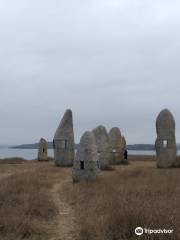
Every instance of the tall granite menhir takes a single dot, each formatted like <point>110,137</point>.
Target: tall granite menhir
<point>63,142</point>
<point>115,145</point>
<point>42,150</point>
<point>102,142</point>
<point>124,149</point>
<point>166,141</point>
<point>86,162</point>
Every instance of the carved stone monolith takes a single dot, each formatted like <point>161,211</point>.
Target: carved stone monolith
<point>124,151</point>
<point>166,141</point>
<point>86,161</point>
<point>63,142</point>
<point>115,140</point>
<point>42,150</point>
<point>103,146</point>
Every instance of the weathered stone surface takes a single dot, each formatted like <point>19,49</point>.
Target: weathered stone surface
<point>124,150</point>
<point>103,146</point>
<point>43,150</point>
<point>166,141</point>
<point>64,152</point>
<point>86,162</point>
<point>115,140</point>
<point>124,145</point>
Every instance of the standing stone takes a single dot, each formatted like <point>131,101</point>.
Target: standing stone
<point>42,150</point>
<point>124,151</point>
<point>166,141</point>
<point>86,161</point>
<point>102,142</point>
<point>115,146</point>
<point>64,141</point>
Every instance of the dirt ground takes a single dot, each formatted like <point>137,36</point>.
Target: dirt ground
<point>63,225</point>
<point>66,225</point>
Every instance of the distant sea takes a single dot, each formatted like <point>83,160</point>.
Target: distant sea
<point>28,154</point>
<point>32,153</point>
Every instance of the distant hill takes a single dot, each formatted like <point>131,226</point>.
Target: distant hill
<point>145,147</point>
<point>34,146</point>
<point>4,146</point>
<point>134,147</point>
<point>31,146</point>
<point>141,147</point>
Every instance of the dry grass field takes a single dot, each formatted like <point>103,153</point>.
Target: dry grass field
<point>39,201</point>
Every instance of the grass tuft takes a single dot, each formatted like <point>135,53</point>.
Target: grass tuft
<point>26,205</point>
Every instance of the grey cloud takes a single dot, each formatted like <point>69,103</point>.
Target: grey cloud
<point>113,62</point>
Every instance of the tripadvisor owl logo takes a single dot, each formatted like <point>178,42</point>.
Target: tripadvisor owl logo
<point>139,231</point>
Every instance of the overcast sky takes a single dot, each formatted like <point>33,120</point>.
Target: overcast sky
<point>113,62</point>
